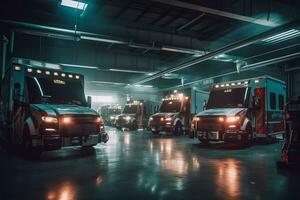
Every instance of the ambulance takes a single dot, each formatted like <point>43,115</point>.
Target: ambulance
<point>45,109</point>
<point>132,116</point>
<point>240,111</point>
<point>176,111</point>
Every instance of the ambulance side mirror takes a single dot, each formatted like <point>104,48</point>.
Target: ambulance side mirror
<point>256,102</point>
<point>204,105</point>
<point>89,101</point>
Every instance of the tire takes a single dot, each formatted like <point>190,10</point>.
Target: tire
<point>191,134</point>
<point>247,138</point>
<point>178,128</point>
<point>155,132</point>
<point>28,151</point>
<point>204,142</point>
<point>134,126</point>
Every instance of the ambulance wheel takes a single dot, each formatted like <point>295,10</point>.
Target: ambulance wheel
<point>204,142</point>
<point>28,150</point>
<point>178,130</point>
<point>134,126</point>
<point>247,138</point>
<point>155,132</point>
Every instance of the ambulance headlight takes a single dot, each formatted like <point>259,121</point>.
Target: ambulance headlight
<point>232,119</point>
<point>168,119</point>
<point>112,117</point>
<point>128,118</point>
<point>49,119</point>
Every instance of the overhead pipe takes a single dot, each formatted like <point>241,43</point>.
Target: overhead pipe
<point>3,45</point>
<point>245,68</point>
<point>66,34</point>
<point>223,50</point>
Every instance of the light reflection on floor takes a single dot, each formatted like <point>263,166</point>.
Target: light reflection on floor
<point>136,165</point>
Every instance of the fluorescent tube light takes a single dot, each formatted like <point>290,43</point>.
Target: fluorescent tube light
<point>98,39</point>
<point>109,83</point>
<point>286,35</point>
<point>145,86</point>
<point>129,71</point>
<point>74,4</point>
<point>79,66</point>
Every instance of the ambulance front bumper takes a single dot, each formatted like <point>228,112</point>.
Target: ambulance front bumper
<point>54,142</point>
<point>227,136</point>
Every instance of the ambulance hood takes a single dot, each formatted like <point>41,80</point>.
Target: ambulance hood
<point>220,112</point>
<point>164,115</point>
<point>126,115</point>
<point>63,109</point>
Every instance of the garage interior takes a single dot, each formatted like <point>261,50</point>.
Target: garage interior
<point>142,53</point>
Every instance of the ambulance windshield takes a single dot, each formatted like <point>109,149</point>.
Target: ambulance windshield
<point>170,106</point>
<point>130,109</point>
<point>55,91</point>
<point>228,98</point>
<point>114,111</point>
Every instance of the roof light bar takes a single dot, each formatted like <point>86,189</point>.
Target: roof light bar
<point>47,73</point>
<point>29,70</point>
<point>74,4</point>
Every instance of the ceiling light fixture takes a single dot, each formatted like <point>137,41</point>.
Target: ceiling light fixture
<point>145,86</point>
<point>98,39</point>
<point>79,66</point>
<point>130,71</point>
<point>286,35</point>
<point>108,83</point>
<point>74,4</point>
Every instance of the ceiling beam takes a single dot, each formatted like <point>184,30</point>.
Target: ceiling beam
<point>243,69</point>
<point>122,10</point>
<point>223,50</point>
<point>172,19</point>
<point>220,13</point>
<point>190,22</point>
<point>147,9</point>
<point>161,16</point>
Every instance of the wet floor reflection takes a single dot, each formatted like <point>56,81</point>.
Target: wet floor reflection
<point>65,191</point>
<point>134,165</point>
<point>228,178</point>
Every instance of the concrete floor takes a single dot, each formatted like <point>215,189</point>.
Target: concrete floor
<point>134,165</point>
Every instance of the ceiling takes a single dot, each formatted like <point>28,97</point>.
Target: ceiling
<point>141,38</point>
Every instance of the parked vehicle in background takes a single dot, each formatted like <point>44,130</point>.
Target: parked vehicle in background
<point>109,113</point>
<point>176,111</point>
<point>46,109</point>
<point>240,111</point>
<point>133,116</point>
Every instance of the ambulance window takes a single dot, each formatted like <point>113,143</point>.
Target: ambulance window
<point>272,100</point>
<point>34,93</point>
<point>281,102</point>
